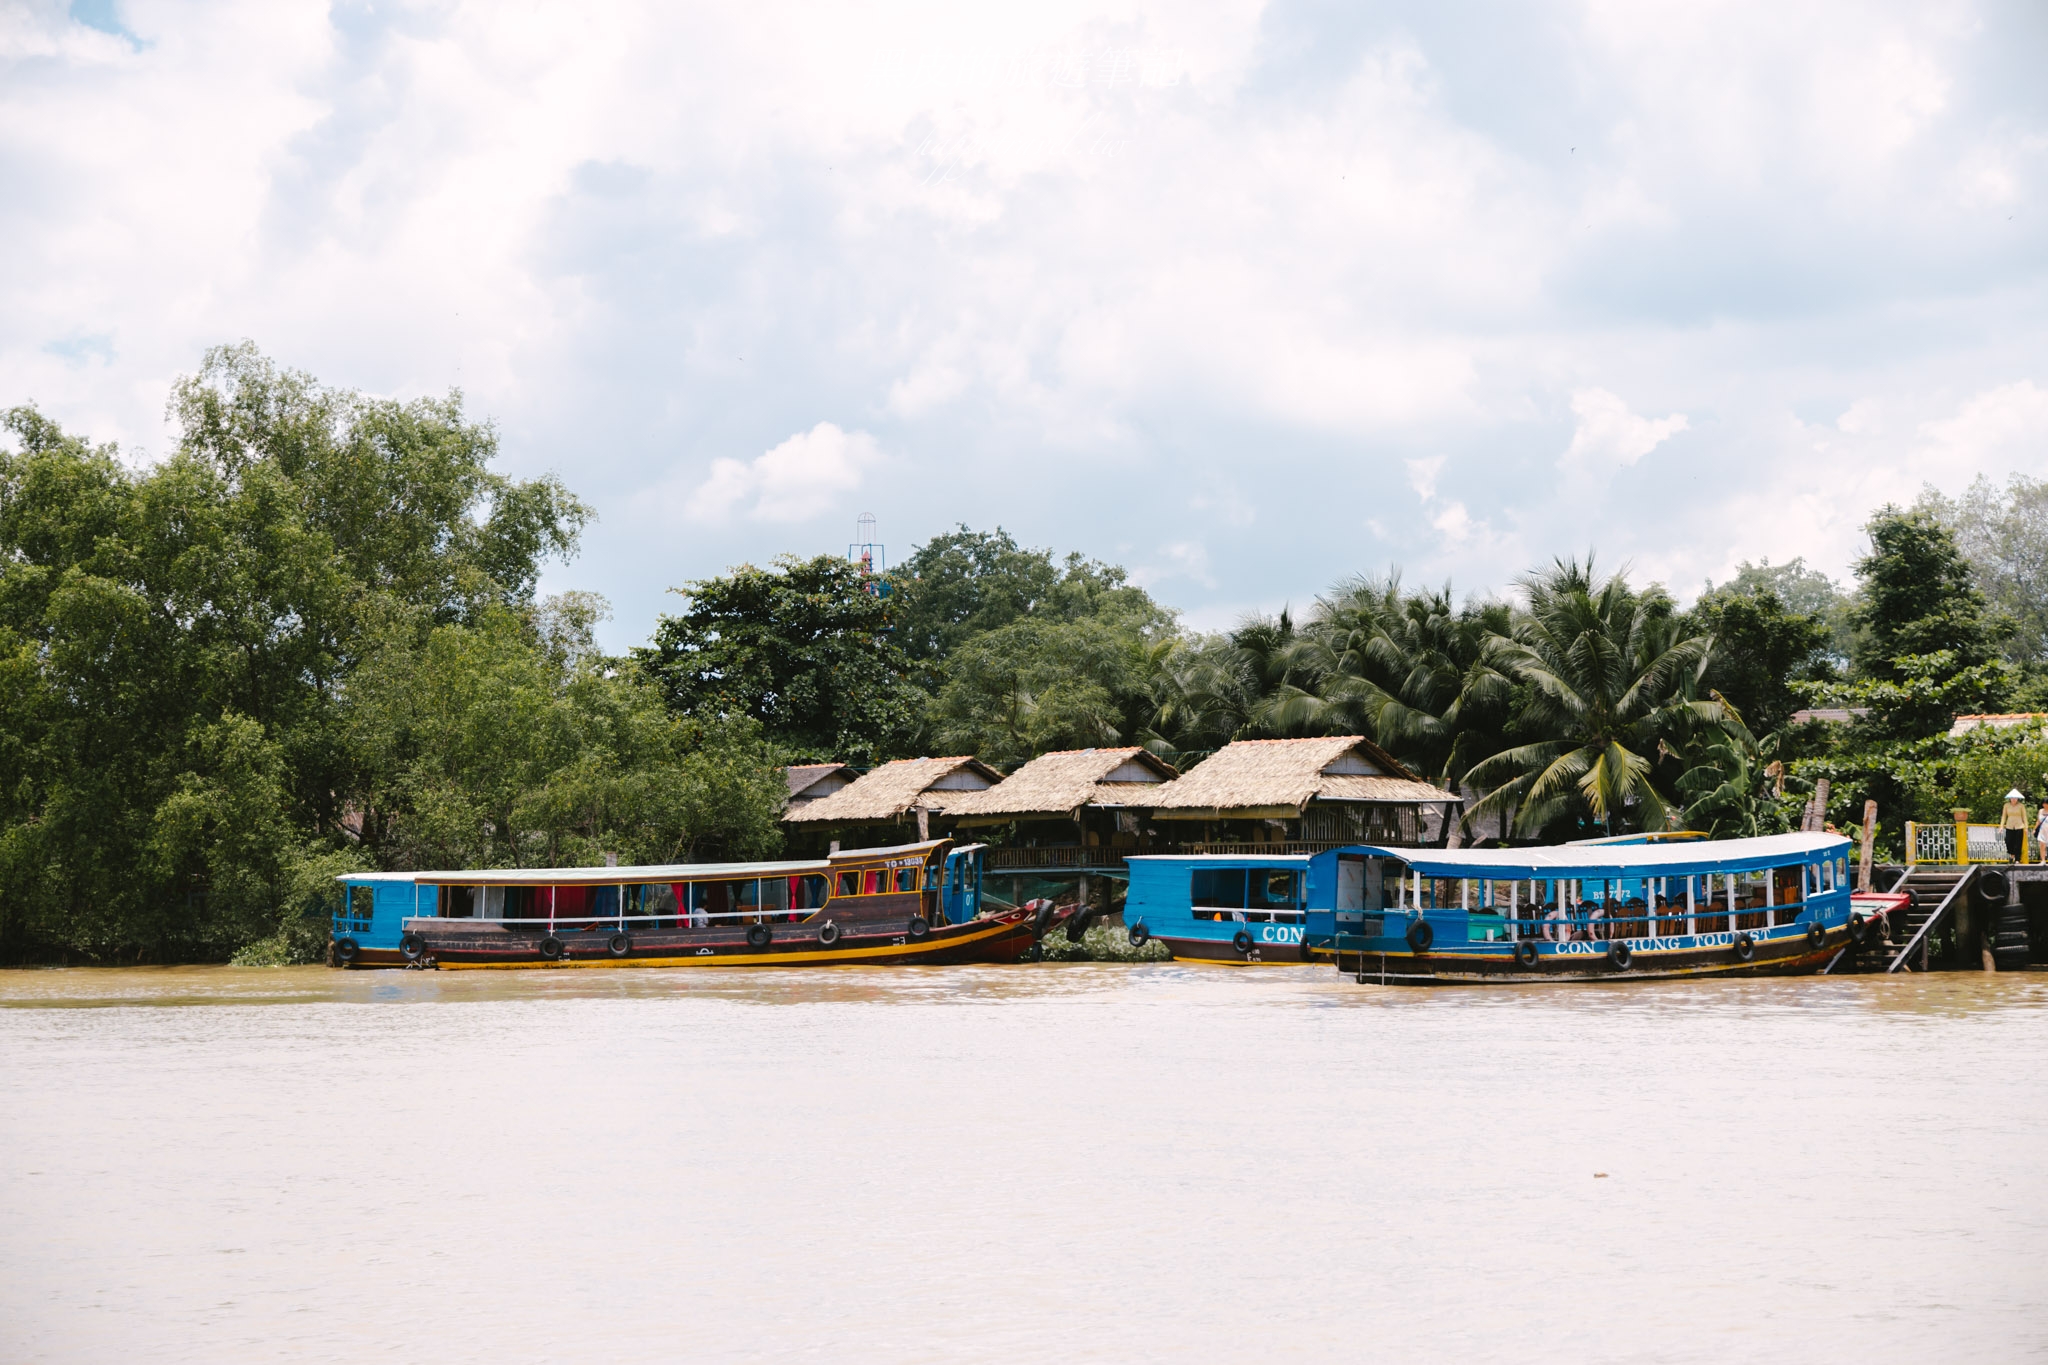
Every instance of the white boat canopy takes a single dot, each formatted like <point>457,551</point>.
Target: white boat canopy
<point>597,876</point>
<point>1594,861</point>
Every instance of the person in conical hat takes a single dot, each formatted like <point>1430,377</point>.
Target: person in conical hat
<point>2015,823</point>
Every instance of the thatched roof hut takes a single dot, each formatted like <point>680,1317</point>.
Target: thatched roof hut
<point>895,792</point>
<point>810,781</point>
<point>1278,778</point>
<point>1062,784</point>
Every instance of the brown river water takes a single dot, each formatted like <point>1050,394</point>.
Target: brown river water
<point>1042,1163</point>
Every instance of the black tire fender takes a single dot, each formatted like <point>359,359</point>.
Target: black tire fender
<point>1242,941</point>
<point>1619,954</point>
<point>347,950</point>
<point>1745,947</point>
<point>1042,921</point>
<point>1138,934</point>
<point>919,927</point>
<point>1816,935</point>
<point>551,948</point>
<point>828,933</point>
<point>412,946</point>
<point>1420,936</point>
<point>1992,887</point>
<point>1525,952</point>
<point>619,944</point>
<point>759,935</point>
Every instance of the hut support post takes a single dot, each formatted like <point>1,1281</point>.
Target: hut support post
<point>1865,871</point>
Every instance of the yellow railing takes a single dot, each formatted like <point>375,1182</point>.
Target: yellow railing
<point>1960,845</point>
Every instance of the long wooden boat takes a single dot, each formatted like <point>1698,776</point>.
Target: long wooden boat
<point>1239,910</point>
<point>1600,911</point>
<point>876,906</point>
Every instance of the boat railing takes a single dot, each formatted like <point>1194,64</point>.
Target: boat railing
<point>694,918</point>
<point>1579,925</point>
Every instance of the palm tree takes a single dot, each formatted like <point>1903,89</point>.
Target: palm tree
<point>1420,676</point>
<point>1609,683</point>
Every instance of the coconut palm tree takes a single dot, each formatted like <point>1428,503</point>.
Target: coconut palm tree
<point>1607,678</point>
<point>1419,675</point>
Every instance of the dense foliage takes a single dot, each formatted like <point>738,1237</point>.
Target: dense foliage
<point>305,642</point>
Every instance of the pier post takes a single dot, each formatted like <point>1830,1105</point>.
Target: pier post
<point>1865,872</point>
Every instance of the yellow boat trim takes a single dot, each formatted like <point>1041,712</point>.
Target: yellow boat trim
<point>742,959</point>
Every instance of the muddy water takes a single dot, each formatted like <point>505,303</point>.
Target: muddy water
<point>1041,1163</point>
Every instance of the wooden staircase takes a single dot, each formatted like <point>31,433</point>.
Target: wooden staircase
<point>1937,893</point>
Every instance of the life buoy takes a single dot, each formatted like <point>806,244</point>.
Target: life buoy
<point>551,947</point>
<point>346,950</point>
<point>412,946</point>
<point>828,933</point>
<point>1618,953</point>
<point>1241,941</point>
<point>1815,935</point>
<point>1138,934</point>
<point>1745,947</point>
<point>619,944</point>
<point>918,928</point>
<point>1525,952</point>
<point>758,935</point>
<point>1420,936</point>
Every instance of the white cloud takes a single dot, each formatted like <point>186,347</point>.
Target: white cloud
<point>1422,475</point>
<point>1456,523</point>
<point>1609,434</point>
<point>793,482</point>
<point>2009,423</point>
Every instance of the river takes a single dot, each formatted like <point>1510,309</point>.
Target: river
<point>1047,1163</point>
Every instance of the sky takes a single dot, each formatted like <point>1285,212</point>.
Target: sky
<point>1245,297</point>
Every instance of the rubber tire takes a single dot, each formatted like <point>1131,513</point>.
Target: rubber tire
<point>1816,936</point>
<point>1420,936</point>
<point>1619,954</point>
<point>619,944</point>
<point>1042,921</point>
<point>551,948</point>
<point>759,935</point>
<point>1992,888</point>
<point>412,947</point>
<point>1242,941</point>
<point>1863,931</point>
<point>1744,946</point>
<point>918,928</point>
<point>1526,953</point>
<point>1308,954</point>
<point>828,933</point>
<point>347,950</point>
<point>1138,934</point>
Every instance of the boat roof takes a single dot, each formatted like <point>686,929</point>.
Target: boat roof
<point>1617,860</point>
<point>662,872</point>
<point>595,876</point>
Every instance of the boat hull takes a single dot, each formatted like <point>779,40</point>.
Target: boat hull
<point>1495,964</point>
<point>1223,953</point>
<point>458,945</point>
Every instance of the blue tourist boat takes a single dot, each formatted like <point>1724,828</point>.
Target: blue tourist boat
<point>1638,909</point>
<point>1239,909</point>
<point>914,903</point>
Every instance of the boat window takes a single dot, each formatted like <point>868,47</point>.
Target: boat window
<point>458,902</point>
<point>873,882</point>
<point>775,893</point>
<point>906,879</point>
<point>658,898</point>
<point>1350,884</point>
<point>1221,886</point>
<point>807,893</point>
<point>1268,889</point>
<point>849,884</point>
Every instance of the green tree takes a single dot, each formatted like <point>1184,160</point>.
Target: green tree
<point>1761,649</point>
<point>803,648</point>
<point>1608,682</point>
<point>2003,534</point>
<point>177,779</point>
<point>1917,598</point>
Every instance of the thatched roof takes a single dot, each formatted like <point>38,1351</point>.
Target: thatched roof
<point>1059,783</point>
<point>1281,776</point>
<point>892,791</point>
<point>809,781</point>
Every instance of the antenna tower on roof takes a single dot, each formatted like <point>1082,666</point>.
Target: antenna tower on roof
<point>866,551</point>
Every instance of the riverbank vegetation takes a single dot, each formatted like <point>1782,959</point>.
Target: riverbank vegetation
<point>310,640</point>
